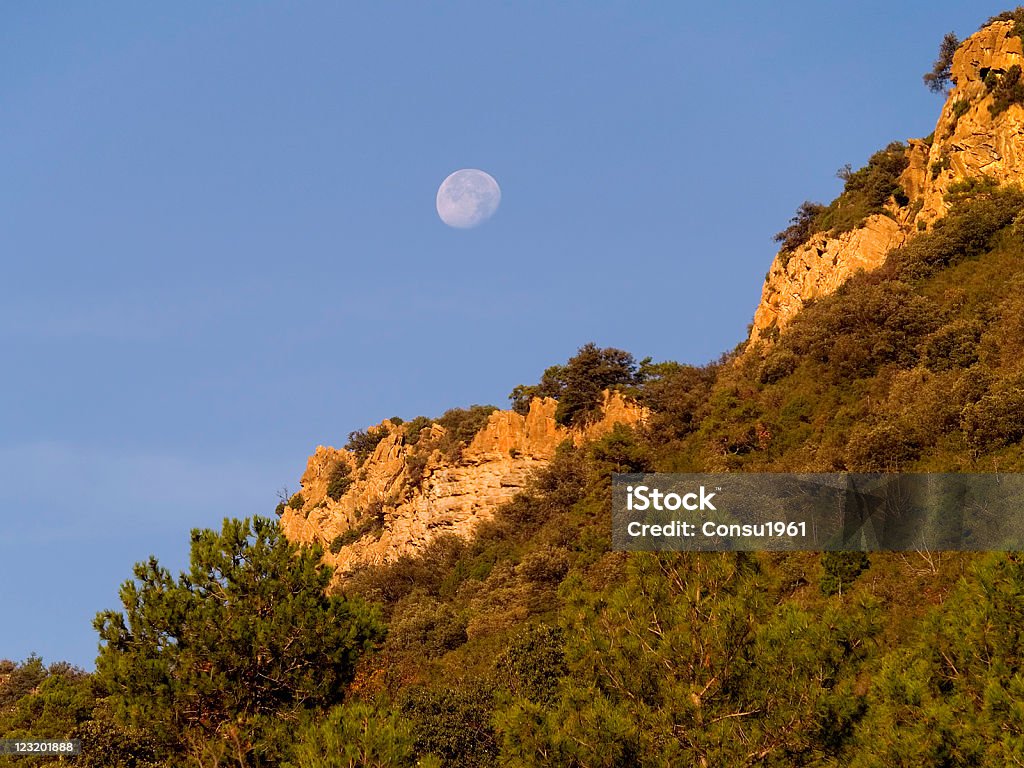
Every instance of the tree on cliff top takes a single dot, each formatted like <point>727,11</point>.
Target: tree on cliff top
<point>939,77</point>
<point>578,384</point>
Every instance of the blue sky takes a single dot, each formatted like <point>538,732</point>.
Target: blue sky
<point>220,249</point>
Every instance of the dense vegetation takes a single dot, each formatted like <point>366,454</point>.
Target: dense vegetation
<point>866,192</point>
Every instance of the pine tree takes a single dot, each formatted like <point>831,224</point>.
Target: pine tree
<point>230,656</point>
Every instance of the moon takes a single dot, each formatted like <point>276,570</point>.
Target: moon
<point>467,198</point>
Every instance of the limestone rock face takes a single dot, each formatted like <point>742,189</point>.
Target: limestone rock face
<point>968,142</point>
<point>975,143</point>
<point>403,495</point>
<point>820,266</point>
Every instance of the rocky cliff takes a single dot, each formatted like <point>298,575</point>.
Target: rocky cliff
<point>969,141</point>
<point>414,487</point>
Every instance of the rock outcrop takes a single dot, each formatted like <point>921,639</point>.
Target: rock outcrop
<point>968,142</point>
<point>404,495</point>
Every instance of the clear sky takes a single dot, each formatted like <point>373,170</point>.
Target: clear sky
<point>220,249</point>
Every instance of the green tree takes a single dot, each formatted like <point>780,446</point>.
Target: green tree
<point>801,226</point>
<point>938,78</point>
<point>841,569</point>
<point>688,662</point>
<point>452,723</point>
<point>954,697</point>
<point>357,735</point>
<point>20,679</point>
<point>230,655</point>
<point>677,396</point>
<point>550,385</point>
<point>533,663</point>
<point>578,384</point>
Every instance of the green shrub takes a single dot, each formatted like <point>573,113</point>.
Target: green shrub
<point>297,501</point>
<point>545,566</point>
<point>940,165</point>
<point>866,191</point>
<point>415,463</point>
<point>339,481</point>
<point>777,365</point>
<point>461,426</point>
<point>801,226</point>
<point>428,625</point>
<point>870,322</point>
<point>970,189</point>
<point>841,569</point>
<point>1009,90</point>
<point>452,723</point>
<point>881,448</point>
<point>960,108</point>
<point>533,663</point>
<point>552,492</point>
<point>412,429</point>
<point>953,346</point>
<point>364,442</point>
<point>997,419</point>
<point>965,232</point>
<point>371,521</point>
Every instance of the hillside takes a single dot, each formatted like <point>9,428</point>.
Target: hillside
<point>896,200</point>
<point>902,191</point>
<point>443,591</point>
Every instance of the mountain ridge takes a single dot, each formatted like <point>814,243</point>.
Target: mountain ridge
<point>969,141</point>
<point>410,489</point>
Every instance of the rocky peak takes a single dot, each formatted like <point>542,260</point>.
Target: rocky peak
<point>970,140</point>
<point>405,493</point>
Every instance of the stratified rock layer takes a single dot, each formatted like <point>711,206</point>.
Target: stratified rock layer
<point>419,501</point>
